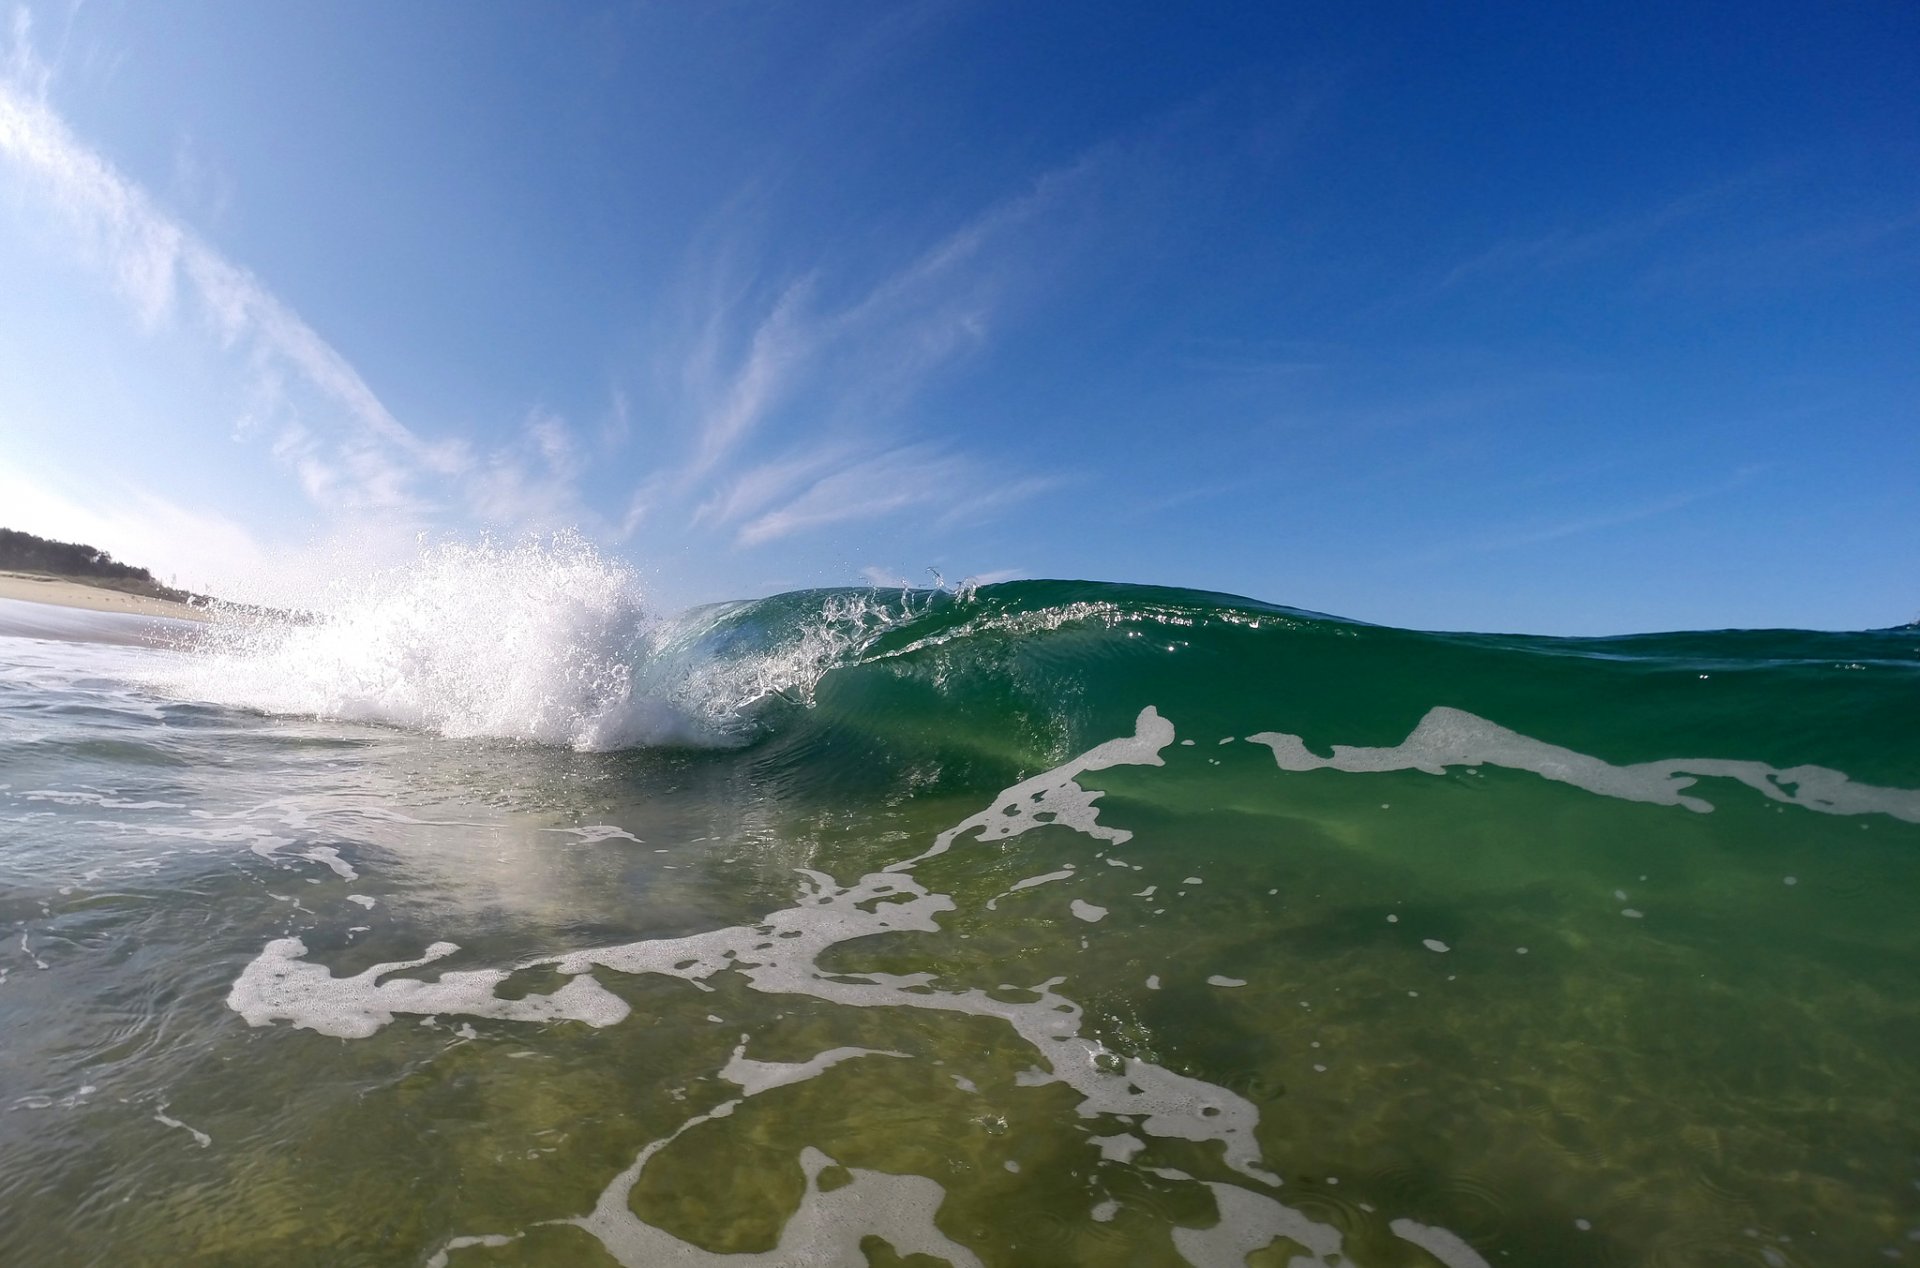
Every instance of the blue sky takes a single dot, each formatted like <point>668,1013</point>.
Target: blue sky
<point>1559,318</point>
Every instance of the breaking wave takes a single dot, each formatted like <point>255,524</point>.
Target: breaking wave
<point>541,641</point>
<point>549,642</point>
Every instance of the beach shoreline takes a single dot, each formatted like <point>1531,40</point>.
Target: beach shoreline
<point>67,593</point>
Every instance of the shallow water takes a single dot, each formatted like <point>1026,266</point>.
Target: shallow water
<point>1012,928</point>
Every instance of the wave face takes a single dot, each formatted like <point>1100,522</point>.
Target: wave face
<point>554,644</point>
<point>1057,666</point>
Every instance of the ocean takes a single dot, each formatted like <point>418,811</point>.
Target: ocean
<point>493,919</point>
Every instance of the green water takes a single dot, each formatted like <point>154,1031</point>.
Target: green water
<point>1564,1026</point>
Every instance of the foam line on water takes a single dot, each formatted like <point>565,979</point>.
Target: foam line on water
<point>1443,1244</point>
<point>781,955</point>
<point>200,1138</point>
<point>1054,796</point>
<point>755,1077</point>
<point>827,1228</point>
<point>1453,737</point>
<point>1248,1222</point>
<point>279,985</point>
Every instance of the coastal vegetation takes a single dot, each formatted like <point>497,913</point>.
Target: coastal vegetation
<point>89,565</point>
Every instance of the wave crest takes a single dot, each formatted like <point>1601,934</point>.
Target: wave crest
<point>543,640</point>
<point>531,641</point>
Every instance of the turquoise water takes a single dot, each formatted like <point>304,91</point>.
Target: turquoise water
<point>1052,923</point>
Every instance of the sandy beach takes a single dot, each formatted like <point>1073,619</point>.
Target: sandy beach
<point>73,594</point>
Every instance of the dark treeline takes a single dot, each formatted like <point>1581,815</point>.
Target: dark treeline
<point>23,552</point>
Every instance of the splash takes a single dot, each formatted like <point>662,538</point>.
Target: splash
<point>534,641</point>
<point>544,641</point>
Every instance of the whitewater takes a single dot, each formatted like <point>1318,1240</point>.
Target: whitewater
<point>477,913</point>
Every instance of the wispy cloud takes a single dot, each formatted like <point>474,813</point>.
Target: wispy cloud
<point>1566,247</point>
<point>1541,532</point>
<point>533,482</point>
<point>795,395</point>
<point>1738,213</point>
<point>1777,256</point>
<point>755,488</point>
<point>361,458</point>
<point>785,395</point>
<point>995,493</point>
<point>780,349</point>
<point>866,489</point>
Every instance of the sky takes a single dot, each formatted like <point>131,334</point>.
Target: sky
<point>1569,319</point>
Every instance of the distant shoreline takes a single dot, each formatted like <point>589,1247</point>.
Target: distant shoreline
<point>74,592</point>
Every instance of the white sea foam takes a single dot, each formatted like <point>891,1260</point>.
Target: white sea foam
<point>827,1228</point>
<point>279,985</point>
<point>1030,882</point>
<point>755,1077</point>
<point>1119,1148</point>
<point>1053,796</point>
<point>329,856</point>
<point>1441,1243</point>
<point>1248,1222</point>
<point>200,1138</point>
<point>1453,737</point>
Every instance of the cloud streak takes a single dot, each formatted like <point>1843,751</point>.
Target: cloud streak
<point>786,403</point>
<point>163,270</point>
<point>866,489</point>
<point>795,415</point>
<point>1600,521</point>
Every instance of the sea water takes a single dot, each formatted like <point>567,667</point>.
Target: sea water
<point>487,918</point>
